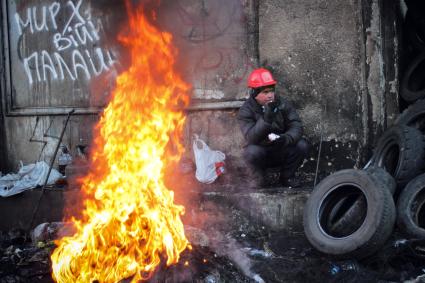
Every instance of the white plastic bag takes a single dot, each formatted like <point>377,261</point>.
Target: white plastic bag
<point>28,177</point>
<point>209,163</point>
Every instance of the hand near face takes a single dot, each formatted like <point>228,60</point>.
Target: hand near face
<point>270,111</point>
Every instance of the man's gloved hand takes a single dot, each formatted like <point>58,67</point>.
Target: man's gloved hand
<point>283,140</point>
<point>270,111</point>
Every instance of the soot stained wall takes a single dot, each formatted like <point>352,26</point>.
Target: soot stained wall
<point>335,60</point>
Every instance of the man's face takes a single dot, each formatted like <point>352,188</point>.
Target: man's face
<point>266,96</point>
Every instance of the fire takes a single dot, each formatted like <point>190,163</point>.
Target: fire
<point>130,220</point>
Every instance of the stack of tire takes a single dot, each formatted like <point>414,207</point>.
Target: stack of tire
<point>352,213</point>
<point>411,200</point>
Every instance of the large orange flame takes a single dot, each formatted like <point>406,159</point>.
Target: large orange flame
<point>130,220</point>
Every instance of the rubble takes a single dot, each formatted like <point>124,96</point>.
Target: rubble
<point>46,232</point>
<point>215,257</point>
<point>20,261</point>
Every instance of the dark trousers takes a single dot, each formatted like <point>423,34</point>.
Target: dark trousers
<point>288,158</point>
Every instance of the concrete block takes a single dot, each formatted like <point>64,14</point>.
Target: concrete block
<point>278,209</point>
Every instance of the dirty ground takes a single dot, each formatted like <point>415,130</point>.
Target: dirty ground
<point>234,248</point>
<point>230,246</point>
<point>274,257</point>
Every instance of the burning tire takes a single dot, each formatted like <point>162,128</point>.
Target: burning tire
<point>350,212</point>
<point>375,222</point>
<point>413,82</point>
<point>414,116</point>
<point>411,208</point>
<point>401,151</point>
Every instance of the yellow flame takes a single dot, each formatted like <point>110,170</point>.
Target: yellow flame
<point>130,220</point>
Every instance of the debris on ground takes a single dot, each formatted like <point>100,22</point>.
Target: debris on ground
<point>273,257</point>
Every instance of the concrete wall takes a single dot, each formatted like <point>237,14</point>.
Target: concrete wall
<point>338,62</point>
<point>329,59</point>
<point>335,59</point>
<point>216,43</point>
<point>317,61</point>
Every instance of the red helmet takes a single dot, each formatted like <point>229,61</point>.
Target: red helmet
<point>260,77</point>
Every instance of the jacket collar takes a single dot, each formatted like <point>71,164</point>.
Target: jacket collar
<point>254,105</point>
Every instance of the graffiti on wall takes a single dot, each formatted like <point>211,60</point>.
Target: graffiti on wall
<point>72,50</point>
<point>213,34</point>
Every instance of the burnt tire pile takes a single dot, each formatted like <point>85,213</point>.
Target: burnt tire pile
<point>352,213</point>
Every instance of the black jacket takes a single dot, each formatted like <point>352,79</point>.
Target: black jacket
<point>256,130</point>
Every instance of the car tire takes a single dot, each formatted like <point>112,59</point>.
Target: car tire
<point>401,152</point>
<point>413,116</point>
<point>348,215</point>
<point>412,85</point>
<point>411,208</point>
<point>383,177</point>
<point>374,229</point>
